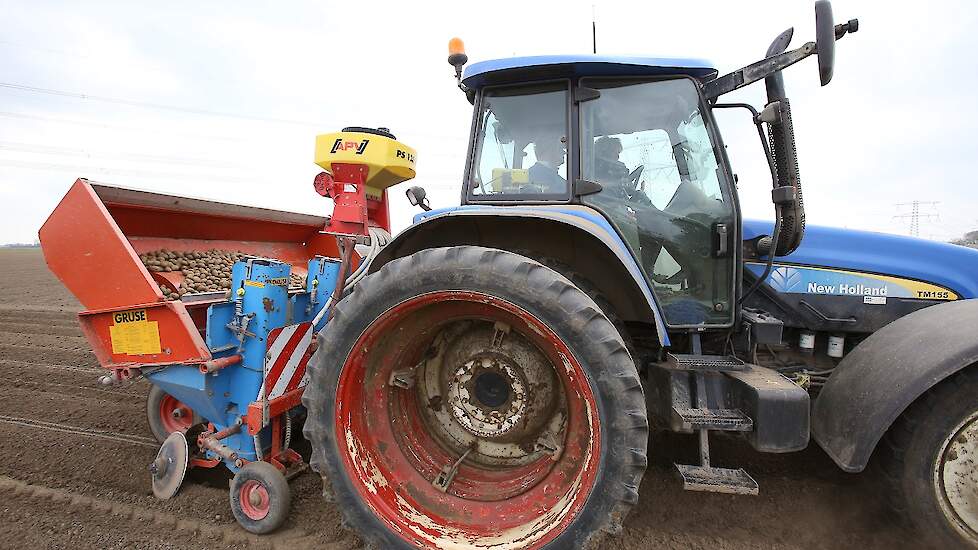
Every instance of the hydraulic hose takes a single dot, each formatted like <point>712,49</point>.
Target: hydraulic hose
<point>378,240</point>
<point>771,253</point>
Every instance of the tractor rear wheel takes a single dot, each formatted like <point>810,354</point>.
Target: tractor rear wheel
<point>468,396</point>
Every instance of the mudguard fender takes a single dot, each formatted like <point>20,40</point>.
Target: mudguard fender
<point>541,229</point>
<point>887,372</point>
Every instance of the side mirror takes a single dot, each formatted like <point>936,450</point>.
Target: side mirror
<point>418,197</point>
<point>824,40</point>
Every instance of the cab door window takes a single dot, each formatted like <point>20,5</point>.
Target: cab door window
<point>646,143</point>
<point>521,144</point>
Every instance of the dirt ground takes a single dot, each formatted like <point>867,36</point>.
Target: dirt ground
<point>67,486</point>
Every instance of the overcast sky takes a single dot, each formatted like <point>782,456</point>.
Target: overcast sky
<point>136,93</point>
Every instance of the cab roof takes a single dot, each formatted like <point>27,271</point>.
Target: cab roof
<point>545,67</point>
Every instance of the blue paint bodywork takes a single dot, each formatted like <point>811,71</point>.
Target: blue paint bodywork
<point>475,75</point>
<point>223,397</point>
<point>947,265</point>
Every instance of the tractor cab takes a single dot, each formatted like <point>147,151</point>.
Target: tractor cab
<point>633,139</point>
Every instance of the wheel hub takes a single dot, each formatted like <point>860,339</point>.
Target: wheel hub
<point>488,396</point>
<point>255,500</point>
<point>491,389</point>
<point>174,415</point>
<point>491,393</point>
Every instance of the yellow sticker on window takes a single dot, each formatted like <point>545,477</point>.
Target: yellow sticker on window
<point>133,334</point>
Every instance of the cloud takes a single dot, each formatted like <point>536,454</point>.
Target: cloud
<point>893,127</point>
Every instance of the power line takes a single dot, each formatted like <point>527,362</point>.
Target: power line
<point>75,122</point>
<point>39,118</point>
<point>324,126</point>
<point>79,169</point>
<point>160,106</point>
<point>45,50</point>
<point>74,151</point>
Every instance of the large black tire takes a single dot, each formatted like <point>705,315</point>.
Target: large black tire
<point>928,437</point>
<point>157,403</point>
<point>272,498</point>
<point>544,294</point>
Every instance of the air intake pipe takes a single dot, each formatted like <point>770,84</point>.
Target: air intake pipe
<point>787,195</point>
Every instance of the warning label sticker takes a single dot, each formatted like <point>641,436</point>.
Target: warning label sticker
<point>133,334</point>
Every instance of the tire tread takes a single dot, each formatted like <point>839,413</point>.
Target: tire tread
<point>549,286</point>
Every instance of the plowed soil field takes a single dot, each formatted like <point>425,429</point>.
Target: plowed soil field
<point>73,472</point>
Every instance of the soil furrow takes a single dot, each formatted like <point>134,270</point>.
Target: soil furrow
<point>11,327</point>
<point>30,423</point>
<point>79,391</point>
<point>47,341</point>
<point>80,410</point>
<point>80,358</point>
<point>32,367</point>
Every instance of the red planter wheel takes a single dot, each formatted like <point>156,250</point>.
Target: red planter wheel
<point>260,497</point>
<point>166,414</point>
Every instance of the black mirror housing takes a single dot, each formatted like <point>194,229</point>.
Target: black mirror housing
<point>825,40</point>
<point>417,196</point>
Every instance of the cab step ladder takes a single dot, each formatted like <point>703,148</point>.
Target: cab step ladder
<point>702,419</point>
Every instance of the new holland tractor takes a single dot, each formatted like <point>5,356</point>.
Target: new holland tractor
<point>494,380</point>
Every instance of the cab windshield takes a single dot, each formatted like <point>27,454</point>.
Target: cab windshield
<point>646,143</point>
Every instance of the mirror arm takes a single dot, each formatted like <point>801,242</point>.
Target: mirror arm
<point>756,71</point>
<point>758,122</point>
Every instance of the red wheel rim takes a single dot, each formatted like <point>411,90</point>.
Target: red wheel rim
<point>254,499</point>
<point>174,415</point>
<point>392,457</point>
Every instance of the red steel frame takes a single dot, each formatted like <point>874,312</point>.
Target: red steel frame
<point>93,239</point>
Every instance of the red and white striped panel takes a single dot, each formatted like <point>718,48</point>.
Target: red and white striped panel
<point>285,362</point>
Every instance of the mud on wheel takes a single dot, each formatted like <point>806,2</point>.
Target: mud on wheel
<point>471,396</point>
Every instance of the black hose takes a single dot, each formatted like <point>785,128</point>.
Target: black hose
<point>770,256</point>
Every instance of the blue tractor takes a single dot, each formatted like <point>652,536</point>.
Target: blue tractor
<point>493,382</point>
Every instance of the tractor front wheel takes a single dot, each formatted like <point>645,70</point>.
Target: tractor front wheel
<point>473,397</point>
<point>931,463</point>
